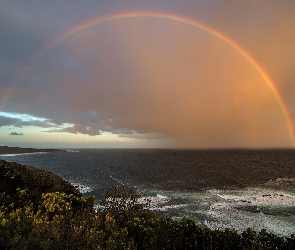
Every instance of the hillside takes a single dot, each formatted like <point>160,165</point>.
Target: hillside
<point>39,210</point>
<point>36,180</point>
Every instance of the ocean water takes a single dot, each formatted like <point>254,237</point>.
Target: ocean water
<point>220,188</point>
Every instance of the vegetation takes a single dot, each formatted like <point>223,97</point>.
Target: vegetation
<point>58,220</point>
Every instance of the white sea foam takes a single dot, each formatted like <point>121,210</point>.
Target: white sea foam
<point>255,208</point>
<point>24,154</point>
<point>82,188</point>
<point>258,197</point>
<point>238,209</point>
<point>155,201</point>
<point>169,207</point>
<point>225,216</point>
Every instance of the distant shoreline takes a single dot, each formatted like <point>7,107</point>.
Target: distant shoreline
<point>17,150</point>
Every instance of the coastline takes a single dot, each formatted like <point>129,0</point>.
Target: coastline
<point>214,207</point>
<point>17,150</point>
<point>33,177</point>
<point>208,169</point>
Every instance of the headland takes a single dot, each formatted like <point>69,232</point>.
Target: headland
<point>17,150</point>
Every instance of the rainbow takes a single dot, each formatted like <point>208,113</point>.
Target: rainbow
<point>157,15</point>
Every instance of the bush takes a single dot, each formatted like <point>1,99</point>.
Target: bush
<point>68,221</point>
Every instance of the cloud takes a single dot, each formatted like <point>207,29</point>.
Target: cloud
<point>8,121</point>
<point>77,129</point>
<point>19,123</point>
<point>151,84</point>
<point>154,79</point>
<point>15,133</point>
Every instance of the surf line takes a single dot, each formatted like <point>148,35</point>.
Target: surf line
<point>157,15</point>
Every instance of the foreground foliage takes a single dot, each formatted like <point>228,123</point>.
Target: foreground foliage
<point>122,221</point>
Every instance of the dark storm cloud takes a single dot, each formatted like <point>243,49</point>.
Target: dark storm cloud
<point>19,123</point>
<point>8,121</point>
<point>77,129</point>
<point>97,129</point>
<point>150,79</point>
<point>15,133</point>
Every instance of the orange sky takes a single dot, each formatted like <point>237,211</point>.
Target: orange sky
<point>145,82</point>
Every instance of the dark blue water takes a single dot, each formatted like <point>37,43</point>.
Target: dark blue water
<point>221,188</point>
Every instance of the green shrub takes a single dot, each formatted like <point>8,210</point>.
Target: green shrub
<point>68,221</point>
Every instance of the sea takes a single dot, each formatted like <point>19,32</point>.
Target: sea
<point>222,189</point>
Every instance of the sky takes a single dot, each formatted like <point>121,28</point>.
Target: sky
<point>147,74</point>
